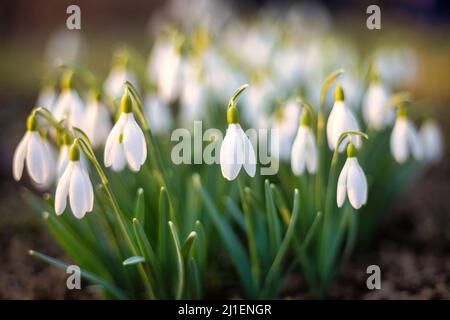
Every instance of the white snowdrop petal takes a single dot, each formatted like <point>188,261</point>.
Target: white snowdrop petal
<point>311,151</point>
<point>342,185</point>
<point>398,141</point>
<point>413,141</point>
<point>356,184</point>
<point>62,190</point>
<point>88,190</point>
<point>330,127</point>
<point>134,144</point>
<point>35,158</point>
<point>249,154</point>
<point>113,139</point>
<point>298,154</point>
<point>77,193</point>
<point>19,156</point>
<point>63,160</point>
<point>231,153</point>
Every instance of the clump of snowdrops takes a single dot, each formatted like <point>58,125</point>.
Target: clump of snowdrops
<point>140,226</point>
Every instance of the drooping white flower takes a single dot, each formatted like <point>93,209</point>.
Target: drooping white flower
<point>46,98</point>
<point>376,111</point>
<point>69,105</point>
<point>304,149</point>
<point>117,76</point>
<point>192,98</point>
<point>236,150</point>
<point>340,120</point>
<point>75,185</point>
<point>126,142</point>
<point>405,139</point>
<point>158,114</point>
<point>32,151</point>
<point>352,181</point>
<point>165,65</point>
<point>98,122</point>
<point>285,122</point>
<point>432,141</point>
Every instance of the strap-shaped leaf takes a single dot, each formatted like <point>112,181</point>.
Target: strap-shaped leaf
<point>273,223</point>
<point>139,207</point>
<point>186,249</point>
<point>133,260</point>
<point>180,263</point>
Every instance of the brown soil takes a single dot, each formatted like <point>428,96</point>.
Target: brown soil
<point>413,250</point>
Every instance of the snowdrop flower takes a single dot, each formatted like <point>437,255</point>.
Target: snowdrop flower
<point>376,111</point>
<point>126,142</point>
<point>285,121</point>
<point>340,120</point>
<point>352,181</point>
<point>46,98</point>
<point>304,149</point>
<point>32,151</point>
<point>98,121</point>
<point>192,98</point>
<point>158,113</point>
<point>432,141</point>
<point>75,185</point>
<point>69,105</point>
<point>118,75</point>
<point>405,139</point>
<point>236,150</point>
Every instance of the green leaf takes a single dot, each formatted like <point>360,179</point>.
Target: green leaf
<point>139,207</point>
<point>133,260</point>
<point>283,249</point>
<point>272,219</point>
<point>186,249</point>
<point>234,247</point>
<point>195,284</point>
<point>180,263</point>
<point>163,219</point>
<point>116,292</point>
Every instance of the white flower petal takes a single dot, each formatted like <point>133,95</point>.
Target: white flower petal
<point>62,190</point>
<point>88,190</point>
<point>249,155</point>
<point>63,160</point>
<point>298,154</point>
<point>414,141</point>
<point>311,151</point>
<point>398,141</point>
<point>342,184</point>
<point>113,140</point>
<point>231,153</point>
<point>78,196</point>
<point>356,184</point>
<point>19,156</point>
<point>35,158</point>
<point>134,144</point>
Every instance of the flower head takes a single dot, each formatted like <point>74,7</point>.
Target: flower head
<point>126,141</point>
<point>340,120</point>
<point>118,75</point>
<point>352,181</point>
<point>376,111</point>
<point>75,185</point>
<point>304,149</point>
<point>432,141</point>
<point>236,150</point>
<point>98,122</point>
<point>69,105</point>
<point>405,139</point>
<point>32,151</point>
<point>158,113</point>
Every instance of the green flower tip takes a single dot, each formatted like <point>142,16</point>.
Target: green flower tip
<point>96,95</point>
<point>74,153</point>
<point>402,111</point>
<point>67,81</point>
<point>305,119</point>
<point>351,150</point>
<point>375,76</point>
<point>32,123</point>
<point>126,103</point>
<point>233,115</point>
<point>339,93</point>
